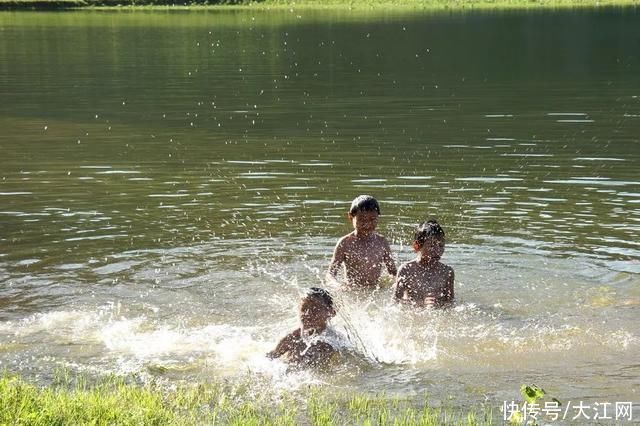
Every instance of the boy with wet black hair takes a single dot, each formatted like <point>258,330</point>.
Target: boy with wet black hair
<point>307,345</point>
<point>363,251</point>
<point>426,281</point>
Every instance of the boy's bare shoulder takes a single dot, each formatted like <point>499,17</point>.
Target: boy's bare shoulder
<point>448,269</point>
<point>407,266</point>
<point>346,239</point>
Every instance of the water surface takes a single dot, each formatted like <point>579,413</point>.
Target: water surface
<point>169,181</point>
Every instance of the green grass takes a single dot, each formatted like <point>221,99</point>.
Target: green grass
<point>389,5</point>
<point>114,400</point>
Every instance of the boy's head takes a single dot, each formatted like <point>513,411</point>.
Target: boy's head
<point>316,308</point>
<point>364,203</point>
<point>364,213</point>
<point>429,239</point>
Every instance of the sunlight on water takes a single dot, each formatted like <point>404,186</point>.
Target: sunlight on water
<point>524,320</point>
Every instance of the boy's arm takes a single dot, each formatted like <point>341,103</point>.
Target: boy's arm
<point>400,286</point>
<point>388,260</point>
<point>283,346</point>
<point>449,289</point>
<point>337,260</point>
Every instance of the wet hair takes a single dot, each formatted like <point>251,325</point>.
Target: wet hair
<point>320,293</point>
<point>427,230</point>
<point>364,203</point>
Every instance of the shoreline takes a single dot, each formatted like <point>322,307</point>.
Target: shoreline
<point>357,5</point>
<point>112,399</point>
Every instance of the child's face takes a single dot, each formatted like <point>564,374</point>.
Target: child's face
<point>365,222</point>
<point>432,248</point>
<point>315,313</point>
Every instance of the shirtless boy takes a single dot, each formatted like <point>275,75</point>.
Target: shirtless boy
<point>305,345</point>
<point>426,281</point>
<point>363,252</point>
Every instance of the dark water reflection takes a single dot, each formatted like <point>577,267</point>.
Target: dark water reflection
<point>134,129</point>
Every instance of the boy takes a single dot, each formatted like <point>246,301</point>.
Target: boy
<point>426,281</point>
<point>363,252</point>
<point>305,344</point>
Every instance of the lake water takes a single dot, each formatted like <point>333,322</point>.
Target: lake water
<point>170,181</point>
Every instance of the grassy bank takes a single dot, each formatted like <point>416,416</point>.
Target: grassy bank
<point>317,4</point>
<point>114,401</point>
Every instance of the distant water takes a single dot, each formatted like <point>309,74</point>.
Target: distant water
<point>169,182</point>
